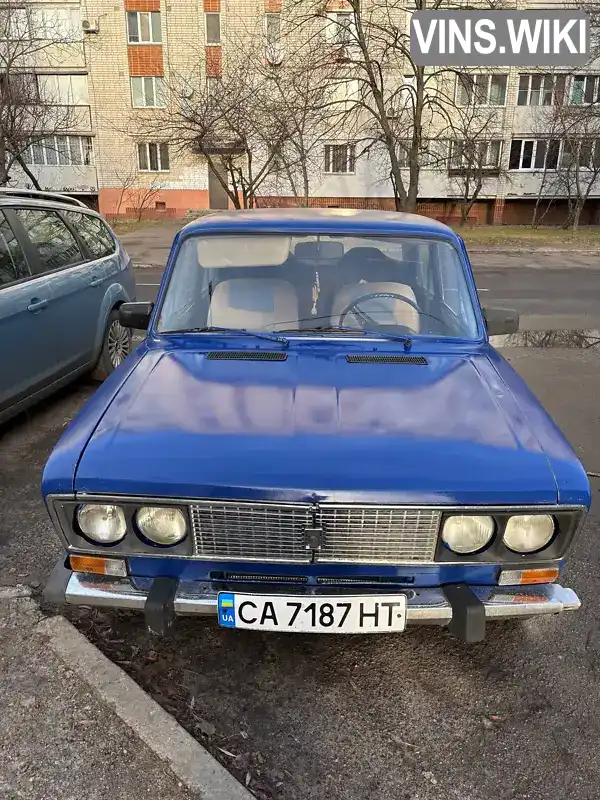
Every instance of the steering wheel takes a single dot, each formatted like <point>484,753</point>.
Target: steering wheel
<point>363,317</point>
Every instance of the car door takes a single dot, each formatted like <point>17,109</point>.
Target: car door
<point>75,285</point>
<point>27,360</point>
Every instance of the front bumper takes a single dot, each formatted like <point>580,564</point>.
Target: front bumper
<point>462,608</point>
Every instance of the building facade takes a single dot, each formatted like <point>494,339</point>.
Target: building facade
<point>125,54</point>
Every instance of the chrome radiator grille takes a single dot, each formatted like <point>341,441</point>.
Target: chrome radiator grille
<point>251,531</point>
<point>378,534</point>
<point>272,532</point>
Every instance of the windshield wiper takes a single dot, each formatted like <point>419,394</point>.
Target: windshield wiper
<point>270,337</point>
<point>398,337</point>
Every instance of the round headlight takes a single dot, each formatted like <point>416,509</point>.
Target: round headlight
<point>165,526</point>
<point>465,534</point>
<point>527,533</point>
<point>104,524</point>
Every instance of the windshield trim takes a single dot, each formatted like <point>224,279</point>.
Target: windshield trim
<point>452,239</point>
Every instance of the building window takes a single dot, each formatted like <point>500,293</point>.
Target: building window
<point>61,151</point>
<point>213,28</point>
<point>153,156</point>
<point>585,90</point>
<point>340,158</point>
<point>15,24</point>
<point>475,155</point>
<point>273,28</point>
<point>148,92</point>
<point>343,30</point>
<point>64,90</point>
<point>212,85</point>
<point>532,154</point>
<point>481,89</point>
<point>541,90</point>
<point>143,27</point>
<point>584,153</point>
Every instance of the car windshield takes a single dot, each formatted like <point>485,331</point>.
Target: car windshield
<point>319,284</point>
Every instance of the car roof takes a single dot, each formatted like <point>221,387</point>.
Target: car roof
<point>35,199</point>
<point>318,220</point>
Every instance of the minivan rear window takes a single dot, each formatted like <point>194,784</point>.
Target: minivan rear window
<point>13,265</point>
<point>55,244</point>
<point>93,231</point>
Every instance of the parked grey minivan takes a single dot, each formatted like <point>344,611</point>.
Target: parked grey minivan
<point>63,276</point>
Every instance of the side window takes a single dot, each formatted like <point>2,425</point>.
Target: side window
<point>54,242</point>
<point>13,264</point>
<point>93,232</point>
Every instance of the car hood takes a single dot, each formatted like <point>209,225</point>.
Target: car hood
<point>316,426</point>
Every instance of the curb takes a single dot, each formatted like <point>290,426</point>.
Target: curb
<point>190,762</point>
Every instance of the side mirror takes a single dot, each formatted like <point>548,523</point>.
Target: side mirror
<point>501,320</point>
<point>135,315</point>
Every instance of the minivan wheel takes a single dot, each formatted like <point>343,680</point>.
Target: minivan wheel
<point>115,347</point>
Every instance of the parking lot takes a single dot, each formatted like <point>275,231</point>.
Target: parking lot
<point>419,716</point>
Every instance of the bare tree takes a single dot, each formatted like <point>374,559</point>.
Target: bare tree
<point>141,198</point>
<point>475,151</point>
<point>29,111</point>
<point>401,107</point>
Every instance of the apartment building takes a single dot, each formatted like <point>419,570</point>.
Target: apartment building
<point>125,52</point>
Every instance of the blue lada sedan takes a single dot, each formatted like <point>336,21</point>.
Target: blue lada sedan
<point>316,436</point>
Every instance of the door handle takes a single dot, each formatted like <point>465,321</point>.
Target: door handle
<point>36,305</point>
<point>96,281</point>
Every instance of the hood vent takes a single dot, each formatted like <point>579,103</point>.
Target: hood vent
<point>367,359</point>
<point>245,355</point>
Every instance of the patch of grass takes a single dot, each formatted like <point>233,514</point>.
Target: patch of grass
<point>524,236</point>
<point>121,226</point>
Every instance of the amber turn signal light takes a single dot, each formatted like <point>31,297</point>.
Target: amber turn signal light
<point>97,565</point>
<point>523,577</point>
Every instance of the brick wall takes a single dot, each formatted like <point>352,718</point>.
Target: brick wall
<point>145,59</point>
<point>116,204</point>
<point>142,5</point>
<point>479,214</point>
<point>214,61</point>
<point>520,212</point>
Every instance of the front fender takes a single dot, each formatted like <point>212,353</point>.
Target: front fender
<point>115,295</point>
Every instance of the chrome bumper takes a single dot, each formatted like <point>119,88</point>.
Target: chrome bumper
<point>425,606</point>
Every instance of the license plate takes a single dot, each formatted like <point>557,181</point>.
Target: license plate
<point>337,614</point>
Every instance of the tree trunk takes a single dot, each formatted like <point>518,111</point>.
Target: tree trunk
<point>577,215</point>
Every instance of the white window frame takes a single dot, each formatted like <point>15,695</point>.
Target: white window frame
<point>19,25</point>
<point>595,77</point>
<point>475,76</point>
<point>487,164</point>
<point>208,14</point>
<point>45,81</point>
<point>139,14</point>
<point>544,76</point>
<point>268,16</point>
<point>594,151</point>
<point>155,91</point>
<point>333,28</point>
<point>533,168</point>
<point>350,158</point>
<point>158,145</point>
<point>83,144</point>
